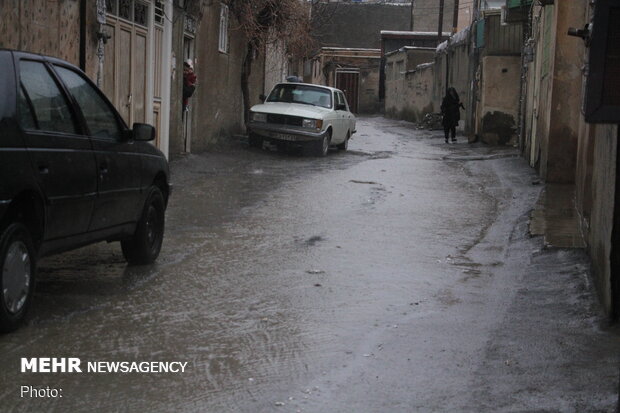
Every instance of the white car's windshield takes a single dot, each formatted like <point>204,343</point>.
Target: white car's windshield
<point>296,93</point>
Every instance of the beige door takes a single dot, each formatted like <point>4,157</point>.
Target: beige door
<point>126,57</point>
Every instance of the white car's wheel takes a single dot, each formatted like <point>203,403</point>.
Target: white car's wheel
<point>345,145</point>
<point>320,148</point>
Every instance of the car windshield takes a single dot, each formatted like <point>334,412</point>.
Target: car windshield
<point>304,94</point>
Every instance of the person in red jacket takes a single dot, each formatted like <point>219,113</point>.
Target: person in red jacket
<point>189,82</point>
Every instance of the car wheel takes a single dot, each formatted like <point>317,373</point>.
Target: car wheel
<point>144,246</point>
<point>320,148</point>
<point>255,141</point>
<point>18,266</point>
<point>345,145</point>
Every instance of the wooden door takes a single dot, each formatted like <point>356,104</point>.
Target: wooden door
<point>126,56</point>
<point>348,82</point>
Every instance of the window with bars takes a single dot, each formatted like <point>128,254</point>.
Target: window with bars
<point>133,10</point>
<point>223,43</point>
<point>159,12</point>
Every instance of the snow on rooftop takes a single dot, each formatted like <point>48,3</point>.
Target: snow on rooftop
<point>352,49</point>
<point>416,48</point>
<point>460,37</point>
<point>407,33</point>
<point>457,38</point>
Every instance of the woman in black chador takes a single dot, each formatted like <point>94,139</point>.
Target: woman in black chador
<point>451,113</point>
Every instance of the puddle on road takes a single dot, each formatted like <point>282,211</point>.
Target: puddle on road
<point>236,291</point>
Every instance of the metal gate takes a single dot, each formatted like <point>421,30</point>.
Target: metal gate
<point>348,81</point>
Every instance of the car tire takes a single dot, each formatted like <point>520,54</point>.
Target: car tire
<point>345,145</point>
<point>145,244</point>
<point>320,148</point>
<point>255,141</point>
<point>17,275</point>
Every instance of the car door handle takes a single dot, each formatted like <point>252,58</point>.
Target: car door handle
<point>44,170</point>
<point>103,169</point>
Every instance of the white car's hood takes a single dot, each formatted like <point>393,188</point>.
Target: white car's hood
<point>292,109</point>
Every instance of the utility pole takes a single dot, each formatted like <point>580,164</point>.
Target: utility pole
<point>455,18</point>
<point>440,29</point>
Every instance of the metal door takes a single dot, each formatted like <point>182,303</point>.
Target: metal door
<point>348,82</point>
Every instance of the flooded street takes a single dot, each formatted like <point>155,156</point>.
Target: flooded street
<point>396,277</point>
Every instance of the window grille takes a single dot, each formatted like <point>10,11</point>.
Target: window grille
<point>223,44</point>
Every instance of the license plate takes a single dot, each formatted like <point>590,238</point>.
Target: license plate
<point>284,136</point>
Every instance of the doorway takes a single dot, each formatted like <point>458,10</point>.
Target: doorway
<point>188,53</point>
<point>126,56</point>
<point>348,82</point>
<point>615,241</point>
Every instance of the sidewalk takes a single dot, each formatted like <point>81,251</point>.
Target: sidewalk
<point>551,348</point>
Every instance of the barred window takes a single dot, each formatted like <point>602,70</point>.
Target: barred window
<point>159,12</point>
<point>223,44</point>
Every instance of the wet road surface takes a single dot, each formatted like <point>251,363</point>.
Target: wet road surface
<point>395,277</point>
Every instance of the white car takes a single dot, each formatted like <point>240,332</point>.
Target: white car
<point>299,114</point>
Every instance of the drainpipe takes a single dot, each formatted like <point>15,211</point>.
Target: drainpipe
<point>411,20</point>
<point>447,68</point>
<point>455,18</point>
<point>473,68</point>
<point>83,35</point>
<point>102,39</point>
<point>440,28</point>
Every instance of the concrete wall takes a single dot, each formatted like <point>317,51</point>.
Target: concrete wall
<point>357,24</point>
<point>418,56</point>
<point>410,77</point>
<point>41,26</point>
<point>426,15</point>
<point>565,109</point>
<point>596,177</point>
<point>559,142</point>
<point>217,103</point>
<point>50,28</point>
<point>490,95</point>
<point>276,64</point>
<point>407,94</point>
<point>595,201</point>
<point>366,61</point>
<point>499,99</point>
<point>552,132</point>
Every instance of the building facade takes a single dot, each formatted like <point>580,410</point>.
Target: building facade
<point>527,83</point>
<point>122,45</point>
<point>134,50</point>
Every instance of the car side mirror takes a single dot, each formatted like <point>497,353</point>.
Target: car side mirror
<point>143,132</point>
<point>341,106</point>
<point>262,97</point>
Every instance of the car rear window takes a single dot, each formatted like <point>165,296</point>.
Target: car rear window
<point>51,110</point>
